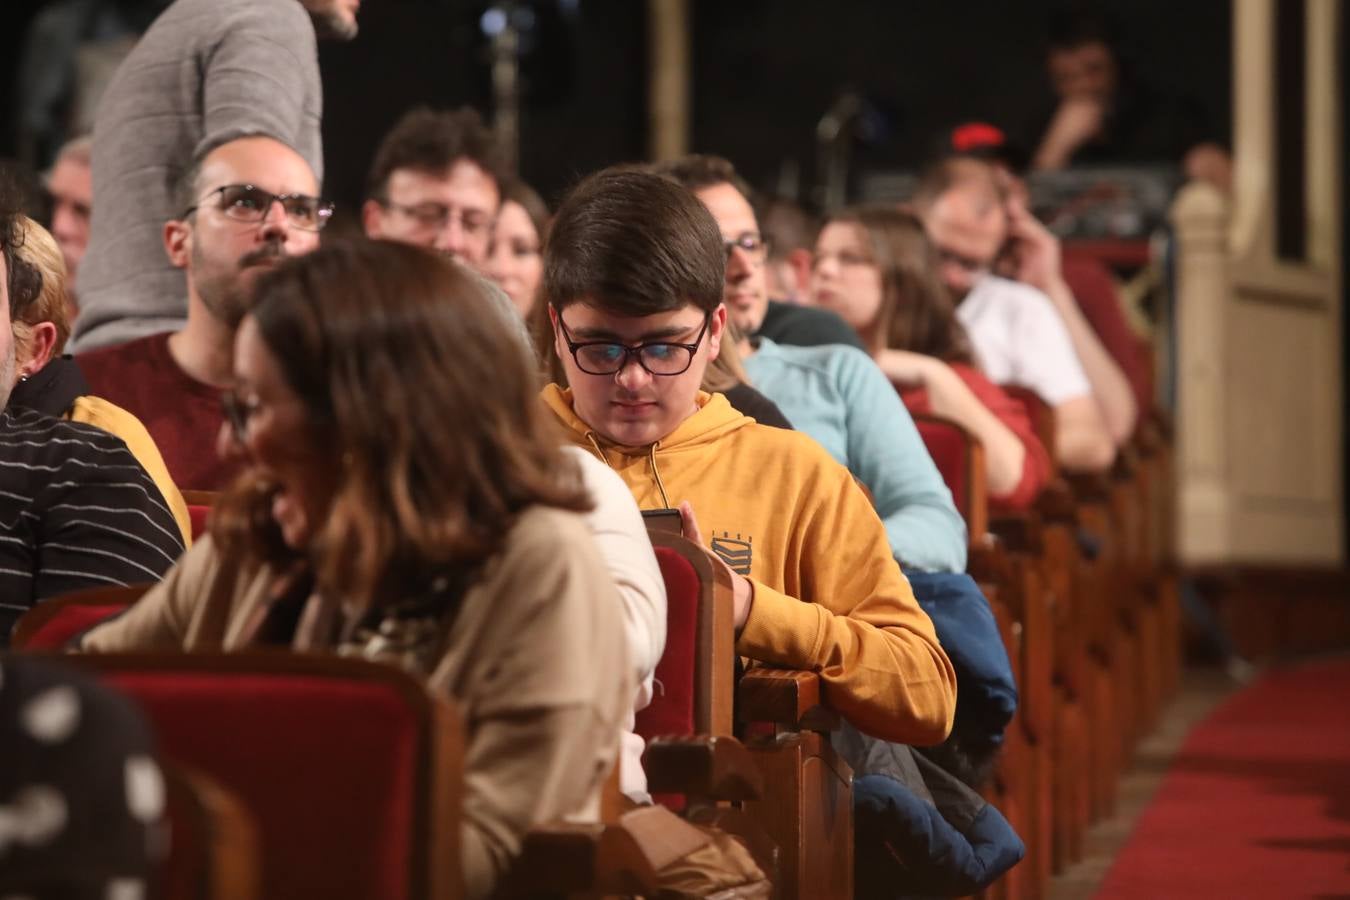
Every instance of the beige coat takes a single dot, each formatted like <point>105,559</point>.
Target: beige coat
<point>536,660</point>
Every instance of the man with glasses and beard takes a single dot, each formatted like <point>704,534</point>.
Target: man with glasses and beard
<point>245,206</point>
<point>205,72</point>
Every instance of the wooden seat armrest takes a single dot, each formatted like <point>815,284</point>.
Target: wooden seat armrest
<point>1056,503</point>
<point>1017,532</point>
<point>702,767</point>
<point>987,559</point>
<point>789,698</point>
<point>1089,487</point>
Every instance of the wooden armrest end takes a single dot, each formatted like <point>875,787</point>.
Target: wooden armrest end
<point>703,767</point>
<point>1018,532</point>
<point>789,698</point>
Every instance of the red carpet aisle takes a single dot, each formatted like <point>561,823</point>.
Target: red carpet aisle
<point>1257,803</point>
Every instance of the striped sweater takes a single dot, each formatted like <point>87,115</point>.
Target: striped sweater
<point>76,511</point>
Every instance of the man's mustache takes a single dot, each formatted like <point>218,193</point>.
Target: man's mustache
<point>266,253</point>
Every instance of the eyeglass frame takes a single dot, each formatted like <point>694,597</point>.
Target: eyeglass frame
<point>757,253</point>
<point>446,217</point>
<point>324,208</point>
<point>632,352</point>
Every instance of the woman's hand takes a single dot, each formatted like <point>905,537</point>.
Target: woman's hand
<point>743,592</point>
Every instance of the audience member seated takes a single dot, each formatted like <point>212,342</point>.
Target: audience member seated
<point>789,235</point>
<point>247,205</point>
<point>515,258</point>
<point>1106,114</point>
<point>76,509</point>
<point>445,537</point>
<point>435,182</point>
<point>1019,333</point>
<point>633,275</point>
<point>1088,279</point>
<point>747,297</point>
<point>51,384</point>
<point>204,73</point>
<point>834,394</point>
<point>877,269</point>
<point>71,186</point>
<point>726,375</point>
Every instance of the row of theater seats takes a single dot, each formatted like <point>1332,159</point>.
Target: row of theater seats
<point>285,765</point>
<point>1085,593</point>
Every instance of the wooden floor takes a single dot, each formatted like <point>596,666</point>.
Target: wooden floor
<point>1202,690</point>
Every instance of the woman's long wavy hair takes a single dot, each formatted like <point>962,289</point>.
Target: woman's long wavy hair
<point>917,312</point>
<point>421,399</point>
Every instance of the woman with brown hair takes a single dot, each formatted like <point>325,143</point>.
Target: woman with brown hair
<point>876,268</point>
<point>515,258</point>
<point>405,501</point>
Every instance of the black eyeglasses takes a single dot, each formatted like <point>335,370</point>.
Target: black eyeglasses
<point>237,412</point>
<point>754,246</point>
<point>656,357</point>
<point>246,203</point>
<point>967,264</point>
<point>436,216</point>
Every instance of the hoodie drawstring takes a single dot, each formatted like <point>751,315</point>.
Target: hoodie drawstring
<point>651,458</point>
<point>656,473</point>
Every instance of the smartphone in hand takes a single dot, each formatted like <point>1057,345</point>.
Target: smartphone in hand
<point>663,520</point>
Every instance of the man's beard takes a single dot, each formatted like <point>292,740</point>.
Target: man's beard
<point>228,295</point>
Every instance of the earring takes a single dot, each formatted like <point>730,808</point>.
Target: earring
<point>24,376</point>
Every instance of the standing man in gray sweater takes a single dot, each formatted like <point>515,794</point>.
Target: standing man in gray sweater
<point>206,72</point>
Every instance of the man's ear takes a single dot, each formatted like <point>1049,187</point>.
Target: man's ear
<point>372,218</point>
<point>716,328</point>
<point>41,346</point>
<point>799,261</point>
<point>178,242</point>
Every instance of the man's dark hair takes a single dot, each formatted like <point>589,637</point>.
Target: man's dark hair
<point>430,141</point>
<point>634,244</point>
<point>23,280</point>
<point>700,170</point>
<point>1074,24</point>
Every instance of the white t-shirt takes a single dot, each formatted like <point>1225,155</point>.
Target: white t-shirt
<point>621,536</point>
<point>1019,339</point>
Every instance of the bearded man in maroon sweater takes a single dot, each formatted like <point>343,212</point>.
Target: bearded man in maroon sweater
<point>247,204</point>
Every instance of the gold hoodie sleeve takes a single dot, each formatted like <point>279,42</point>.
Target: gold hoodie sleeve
<point>852,618</point>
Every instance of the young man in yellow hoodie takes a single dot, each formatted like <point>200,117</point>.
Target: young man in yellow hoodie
<point>633,278</point>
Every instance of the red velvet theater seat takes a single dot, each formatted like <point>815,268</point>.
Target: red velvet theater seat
<point>52,623</point>
<point>350,769</point>
<point>960,460</point>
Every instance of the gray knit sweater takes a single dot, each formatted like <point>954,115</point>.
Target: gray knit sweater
<point>206,72</point>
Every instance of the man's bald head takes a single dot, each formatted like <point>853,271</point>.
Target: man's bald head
<point>963,205</point>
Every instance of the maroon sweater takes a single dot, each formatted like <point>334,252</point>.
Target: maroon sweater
<point>182,414</point>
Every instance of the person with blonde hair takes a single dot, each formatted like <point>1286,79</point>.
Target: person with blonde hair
<point>51,383</point>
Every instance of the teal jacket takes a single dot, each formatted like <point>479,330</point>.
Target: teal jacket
<point>839,397</point>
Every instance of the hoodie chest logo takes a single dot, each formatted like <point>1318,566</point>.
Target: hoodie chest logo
<point>735,552</point>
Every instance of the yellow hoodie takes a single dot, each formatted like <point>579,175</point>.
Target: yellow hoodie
<point>777,509</point>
